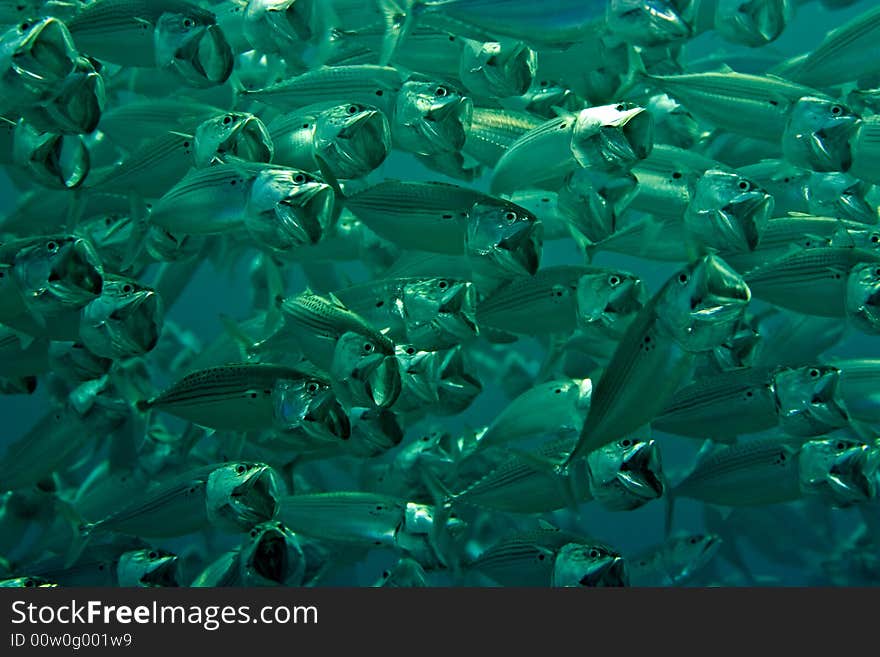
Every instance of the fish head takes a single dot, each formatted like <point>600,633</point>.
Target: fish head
<point>59,272</point>
<point>78,103</point>
<point>458,387</point>
<point>237,135</point>
<point>367,369</point>
<point>494,69</point>
<point>728,212</point>
<point>242,494</point>
<point>837,194</point>
<point>593,201</point>
<point>309,403</point>
<point>544,95</point>
<point>439,312</point>
<point>612,137</point>
<point>419,375</point>
<point>111,234</point>
<point>406,573</point>
<point>841,471</point>
<point>649,22</point>
<point>863,296</point>
<point>626,474</point>
<point>752,23</point>
<point>164,246</point>
<point>126,320</point>
<point>288,208</point>
<point>57,160</point>
<point>271,554</point>
<point>807,400</point>
<point>609,296</point>
<point>148,568</point>
<point>673,123</point>
<point>27,582</point>
<point>280,26</point>
<point>818,132</point>
<point>590,565</point>
<point>374,432</point>
<point>702,303</point>
<point>505,236</point>
<point>690,552</point>
<point>431,117</point>
<point>192,44</point>
<point>352,139</point>
<point>35,57</point>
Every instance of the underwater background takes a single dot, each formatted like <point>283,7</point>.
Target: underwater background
<point>791,544</point>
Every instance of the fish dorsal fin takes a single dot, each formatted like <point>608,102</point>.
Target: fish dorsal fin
<point>336,301</point>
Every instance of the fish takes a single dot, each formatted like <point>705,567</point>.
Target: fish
<point>529,559</point>
<point>236,135</point>
<point>235,397</point>
<point>674,562</point>
<point>608,137</point>
<point>148,568</point>
<point>810,281</point>
<point>693,311</point>
<point>496,69</point>
<point>818,133</point>
<point>838,471</point>
<point>349,140</point>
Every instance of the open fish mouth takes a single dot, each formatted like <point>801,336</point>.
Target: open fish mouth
<point>58,160</point>
<point>723,293</point>
<point>205,58</point>
<point>830,146</point>
<point>360,146</point>
<point>615,139</point>
<point>852,478</point>
<point>520,246</point>
<point>326,415</point>
<point>76,278</point>
<point>77,108</point>
<point>754,23</point>
<point>599,571</point>
<point>307,213</point>
<point>640,471</point>
<point>382,382</point>
<point>161,573</point>
<point>249,141</point>
<point>145,320</point>
<point>744,219</point>
<point>255,500</point>
<point>270,560</point>
<point>445,125</point>
<point>45,55</point>
<point>517,71</point>
<point>853,206</point>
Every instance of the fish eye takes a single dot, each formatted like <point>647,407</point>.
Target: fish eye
<point>836,110</point>
<point>744,185</point>
<point>227,120</point>
<point>29,583</point>
<point>510,216</point>
<point>443,285</point>
<point>410,350</point>
<point>877,272</point>
<point>814,373</point>
<point>240,469</point>
<point>368,347</point>
<point>693,540</point>
<point>52,246</point>
<point>188,23</point>
<point>127,288</point>
<point>875,238</point>
<point>440,92</point>
<point>299,179</point>
<point>614,280</point>
<point>626,442</point>
<point>153,555</point>
<point>594,553</point>
<point>676,175</point>
<point>312,387</point>
<point>543,83</point>
<point>253,533</point>
<point>683,278</point>
<point>352,109</point>
<point>385,574</point>
<point>24,27</point>
<point>840,446</point>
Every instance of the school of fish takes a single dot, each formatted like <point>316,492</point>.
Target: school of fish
<point>499,257</point>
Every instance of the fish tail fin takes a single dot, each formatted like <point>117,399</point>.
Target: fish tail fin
<point>398,24</point>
